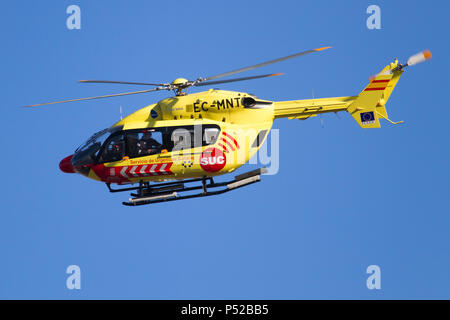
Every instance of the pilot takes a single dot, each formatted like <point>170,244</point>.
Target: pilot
<point>148,145</point>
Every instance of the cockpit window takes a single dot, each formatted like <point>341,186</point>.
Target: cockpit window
<point>114,149</point>
<point>87,153</point>
<point>94,142</point>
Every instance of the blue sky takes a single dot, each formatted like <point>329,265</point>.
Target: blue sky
<point>344,198</point>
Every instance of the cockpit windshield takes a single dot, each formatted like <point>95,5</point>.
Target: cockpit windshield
<point>94,142</point>
<point>87,153</point>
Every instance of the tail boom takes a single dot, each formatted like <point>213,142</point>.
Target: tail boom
<point>304,109</point>
<point>366,108</point>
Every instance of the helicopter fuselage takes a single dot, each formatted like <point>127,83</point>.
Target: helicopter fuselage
<point>199,135</point>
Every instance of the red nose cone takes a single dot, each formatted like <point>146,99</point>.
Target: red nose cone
<point>66,165</point>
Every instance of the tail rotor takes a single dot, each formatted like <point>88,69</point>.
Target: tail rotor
<point>412,61</point>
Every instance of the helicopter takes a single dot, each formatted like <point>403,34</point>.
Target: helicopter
<point>173,149</point>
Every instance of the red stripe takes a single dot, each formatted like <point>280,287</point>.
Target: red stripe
<point>380,81</point>
<point>127,171</point>
<point>155,171</point>
<point>105,174</point>
<point>228,143</point>
<point>374,89</point>
<point>234,140</point>
<point>136,171</point>
<point>167,169</point>
<point>223,147</point>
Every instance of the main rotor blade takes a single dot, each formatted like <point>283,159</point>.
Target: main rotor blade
<point>207,83</point>
<point>226,74</point>
<point>98,97</point>
<point>122,82</point>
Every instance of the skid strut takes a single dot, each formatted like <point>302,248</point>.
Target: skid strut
<point>147,193</point>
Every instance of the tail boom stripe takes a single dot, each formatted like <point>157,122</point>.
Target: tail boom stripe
<point>380,81</point>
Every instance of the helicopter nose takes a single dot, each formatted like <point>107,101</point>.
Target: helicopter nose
<point>66,165</point>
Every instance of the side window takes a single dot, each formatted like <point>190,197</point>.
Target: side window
<point>114,149</point>
<point>181,138</point>
<point>144,143</point>
<point>210,135</point>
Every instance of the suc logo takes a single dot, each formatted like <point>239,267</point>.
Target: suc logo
<point>213,160</point>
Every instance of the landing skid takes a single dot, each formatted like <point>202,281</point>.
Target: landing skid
<point>147,193</point>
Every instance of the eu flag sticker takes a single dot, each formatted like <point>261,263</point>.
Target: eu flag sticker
<point>187,164</point>
<point>367,118</point>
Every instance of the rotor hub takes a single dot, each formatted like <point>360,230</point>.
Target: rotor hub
<point>179,81</point>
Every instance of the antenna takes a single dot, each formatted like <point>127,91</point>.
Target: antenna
<point>337,115</point>
<point>120,108</point>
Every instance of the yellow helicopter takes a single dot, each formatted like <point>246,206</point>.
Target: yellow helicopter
<point>173,149</point>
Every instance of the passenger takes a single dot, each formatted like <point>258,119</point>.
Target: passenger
<point>132,142</point>
<point>147,145</point>
<point>115,152</point>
